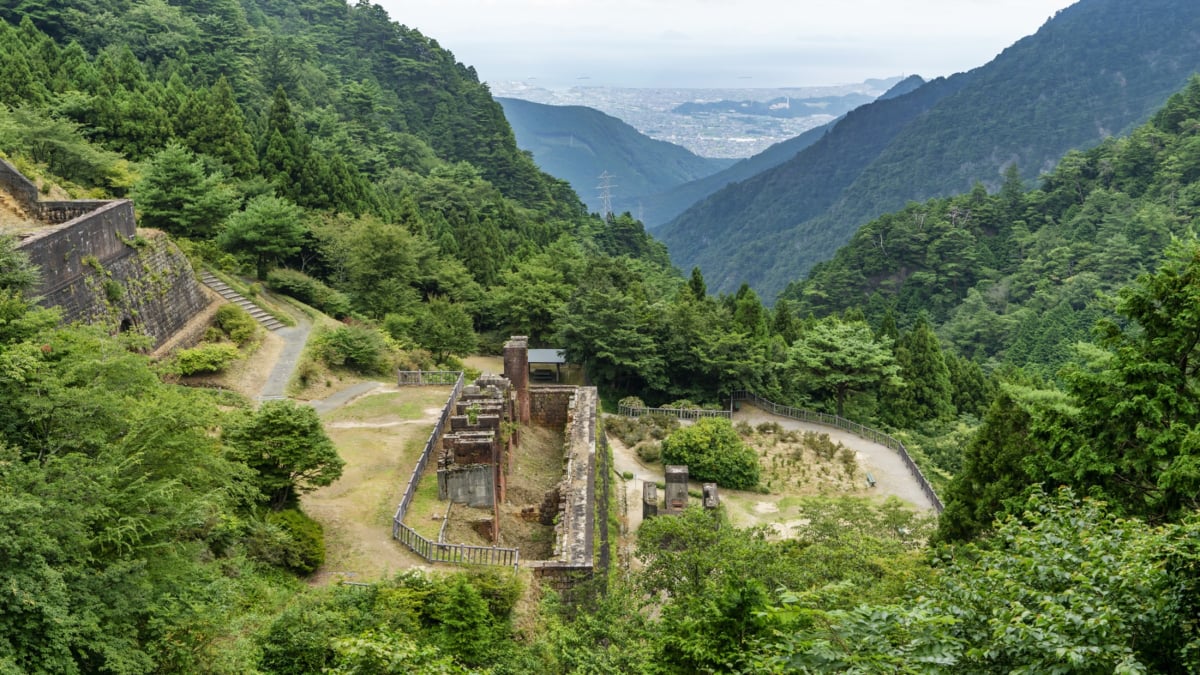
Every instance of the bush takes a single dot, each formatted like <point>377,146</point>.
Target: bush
<point>304,548</point>
<point>650,452</point>
<point>357,347</point>
<point>634,430</point>
<point>713,452</point>
<point>310,291</point>
<point>631,402</point>
<point>205,358</point>
<point>236,323</point>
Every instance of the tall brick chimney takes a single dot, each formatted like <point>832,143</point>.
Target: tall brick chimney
<point>516,369</point>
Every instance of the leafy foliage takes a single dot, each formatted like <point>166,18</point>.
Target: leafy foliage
<point>236,323</point>
<point>311,291</point>
<point>287,447</point>
<point>713,452</point>
<point>205,358</point>
<point>1082,591</point>
<point>841,357</point>
<point>354,346</point>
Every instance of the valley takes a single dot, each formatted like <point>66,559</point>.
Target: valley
<point>250,420</point>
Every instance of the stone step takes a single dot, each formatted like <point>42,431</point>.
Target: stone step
<point>260,315</point>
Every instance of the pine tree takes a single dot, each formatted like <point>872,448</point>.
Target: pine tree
<point>176,195</point>
<point>697,285</point>
<point>217,127</point>
<point>927,395</point>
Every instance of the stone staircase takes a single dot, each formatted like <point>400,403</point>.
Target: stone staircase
<point>269,322</point>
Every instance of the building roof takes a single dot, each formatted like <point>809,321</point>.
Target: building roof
<point>547,356</point>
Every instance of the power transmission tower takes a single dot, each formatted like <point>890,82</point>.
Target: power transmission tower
<point>606,187</point>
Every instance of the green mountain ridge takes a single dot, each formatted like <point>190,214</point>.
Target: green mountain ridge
<point>661,208</point>
<point>1096,69</point>
<point>577,144</point>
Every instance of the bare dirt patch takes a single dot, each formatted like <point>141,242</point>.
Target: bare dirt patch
<point>356,511</point>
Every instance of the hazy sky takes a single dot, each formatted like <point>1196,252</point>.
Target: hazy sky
<point>696,43</point>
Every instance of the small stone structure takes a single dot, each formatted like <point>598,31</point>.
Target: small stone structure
<point>675,498</point>
<point>712,500</point>
<point>96,267</point>
<point>649,500</point>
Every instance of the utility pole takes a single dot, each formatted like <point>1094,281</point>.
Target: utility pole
<point>606,187</point>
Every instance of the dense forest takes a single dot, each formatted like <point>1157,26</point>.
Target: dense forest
<point>350,162</point>
<point>1096,69</point>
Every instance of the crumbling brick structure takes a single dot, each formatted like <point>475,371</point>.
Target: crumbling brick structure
<point>477,438</point>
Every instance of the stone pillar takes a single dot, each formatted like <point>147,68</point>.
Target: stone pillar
<point>711,499</point>
<point>649,500</point>
<point>676,498</point>
<point>516,369</point>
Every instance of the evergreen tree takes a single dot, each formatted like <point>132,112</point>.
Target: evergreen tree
<point>176,195</point>
<point>783,322</point>
<point>927,395</point>
<point>269,229</point>
<point>217,127</point>
<point>840,358</point>
<point>697,285</point>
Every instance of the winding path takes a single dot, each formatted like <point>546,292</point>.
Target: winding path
<point>891,475</point>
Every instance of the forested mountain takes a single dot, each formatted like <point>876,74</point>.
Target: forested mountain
<point>1018,277</point>
<point>577,144</point>
<point>370,127</point>
<point>1096,69</point>
<point>151,527</point>
<point>661,208</point>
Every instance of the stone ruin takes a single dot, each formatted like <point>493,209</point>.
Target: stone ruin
<point>482,435</point>
<point>675,499</point>
<point>97,267</point>
<point>476,449</point>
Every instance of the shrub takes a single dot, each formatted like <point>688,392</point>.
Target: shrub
<point>650,452</point>
<point>304,547</point>
<point>357,347</point>
<point>631,402</point>
<point>205,358</point>
<point>310,291</point>
<point>236,323</point>
<point>713,452</point>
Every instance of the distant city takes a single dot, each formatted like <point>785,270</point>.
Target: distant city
<point>706,130</point>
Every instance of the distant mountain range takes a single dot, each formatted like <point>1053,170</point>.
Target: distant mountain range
<point>578,144</point>
<point>1097,69</point>
<point>662,208</point>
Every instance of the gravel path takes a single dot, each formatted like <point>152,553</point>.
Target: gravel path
<point>891,475</point>
<point>294,338</point>
<point>345,396</point>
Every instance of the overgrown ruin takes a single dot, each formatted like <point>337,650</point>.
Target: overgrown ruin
<point>95,265</point>
<point>481,435</point>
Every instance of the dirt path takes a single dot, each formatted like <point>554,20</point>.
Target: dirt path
<point>891,475</point>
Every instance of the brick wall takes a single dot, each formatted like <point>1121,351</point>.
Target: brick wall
<point>549,405</point>
<point>158,294</point>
